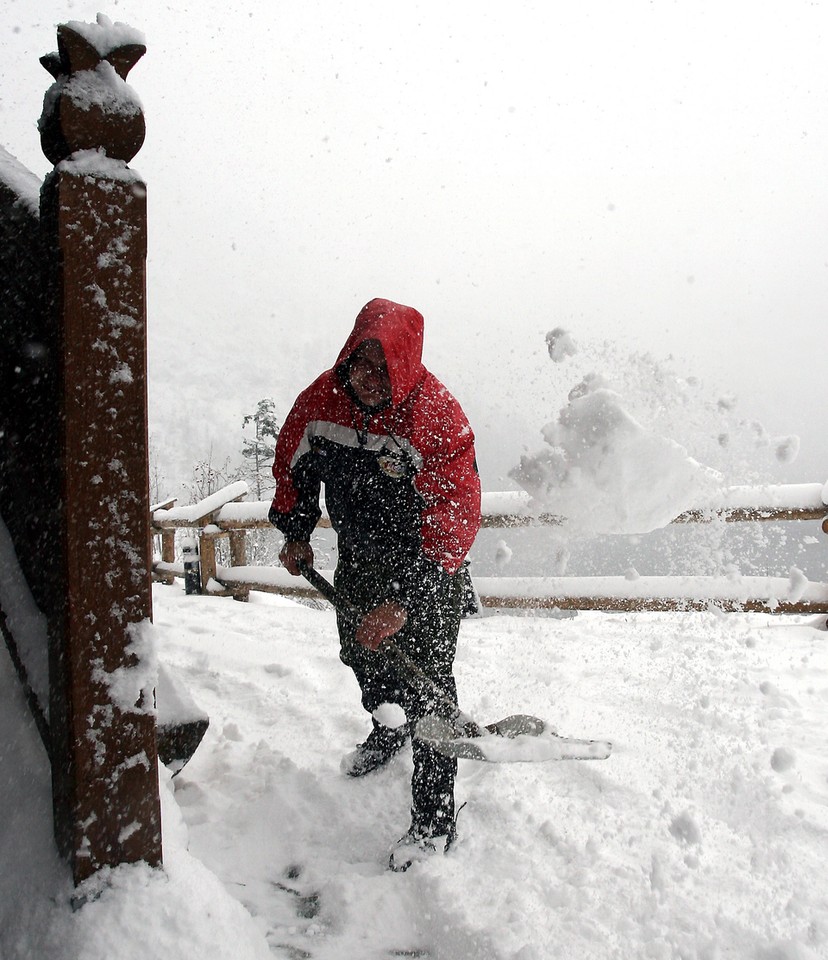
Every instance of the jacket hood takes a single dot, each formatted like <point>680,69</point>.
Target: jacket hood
<point>399,330</point>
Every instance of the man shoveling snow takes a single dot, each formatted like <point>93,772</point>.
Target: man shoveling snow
<point>396,454</point>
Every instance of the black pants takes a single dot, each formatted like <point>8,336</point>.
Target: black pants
<point>429,638</point>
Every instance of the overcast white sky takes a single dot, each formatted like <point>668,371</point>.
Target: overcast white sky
<point>649,173</point>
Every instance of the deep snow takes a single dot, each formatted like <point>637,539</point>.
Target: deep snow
<point>704,835</point>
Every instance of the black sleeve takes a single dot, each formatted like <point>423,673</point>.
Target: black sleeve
<point>300,522</point>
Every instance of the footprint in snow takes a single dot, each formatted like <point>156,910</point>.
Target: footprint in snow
<point>277,669</point>
<point>306,904</point>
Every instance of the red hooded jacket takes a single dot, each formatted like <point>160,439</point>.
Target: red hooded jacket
<point>400,480</point>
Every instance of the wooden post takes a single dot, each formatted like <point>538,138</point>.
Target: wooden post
<point>168,551</point>
<point>93,210</point>
<point>238,558</point>
<point>207,556</point>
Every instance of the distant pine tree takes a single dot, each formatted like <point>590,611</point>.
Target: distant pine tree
<point>258,451</point>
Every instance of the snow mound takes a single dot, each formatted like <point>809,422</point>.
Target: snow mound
<point>190,912</point>
<point>132,912</point>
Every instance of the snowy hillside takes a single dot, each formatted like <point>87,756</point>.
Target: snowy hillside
<point>705,835</point>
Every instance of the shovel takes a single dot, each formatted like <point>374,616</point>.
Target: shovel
<point>520,737</point>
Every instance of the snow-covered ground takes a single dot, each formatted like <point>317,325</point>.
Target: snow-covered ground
<point>705,835</point>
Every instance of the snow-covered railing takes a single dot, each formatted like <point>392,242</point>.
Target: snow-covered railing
<point>227,514</point>
<point>792,501</point>
<point>204,517</point>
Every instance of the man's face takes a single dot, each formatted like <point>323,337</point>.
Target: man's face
<point>369,374</point>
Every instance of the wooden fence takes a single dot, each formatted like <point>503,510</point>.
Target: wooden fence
<point>227,515</point>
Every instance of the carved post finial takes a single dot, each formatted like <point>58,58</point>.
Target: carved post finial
<point>90,106</point>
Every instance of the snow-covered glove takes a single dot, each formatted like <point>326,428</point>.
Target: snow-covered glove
<point>295,552</point>
<point>380,623</point>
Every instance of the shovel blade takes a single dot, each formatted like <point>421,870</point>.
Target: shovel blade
<point>516,739</point>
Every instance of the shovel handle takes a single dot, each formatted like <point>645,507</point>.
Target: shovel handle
<point>316,580</point>
<point>466,726</point>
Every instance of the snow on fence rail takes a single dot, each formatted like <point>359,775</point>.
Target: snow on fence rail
<point>227,514</point>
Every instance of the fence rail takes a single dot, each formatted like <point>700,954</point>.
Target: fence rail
<point>227,514</point>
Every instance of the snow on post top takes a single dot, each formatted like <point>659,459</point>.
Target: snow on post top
<point>106,36</point>
<point>90,106</point>
<point>97,163</point>
<point>102,88</point>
